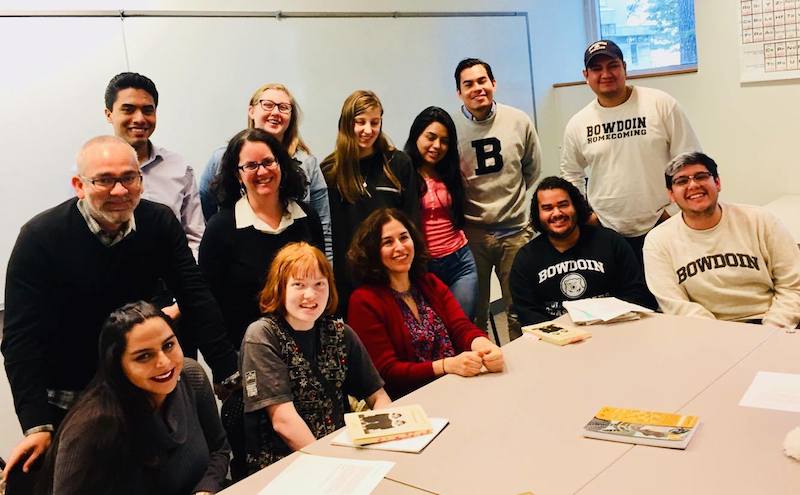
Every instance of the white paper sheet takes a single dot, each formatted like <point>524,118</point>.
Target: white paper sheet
<point>413,444</point>
<point>328,476</point>
<point>602,309</point>
<point>769,390</point>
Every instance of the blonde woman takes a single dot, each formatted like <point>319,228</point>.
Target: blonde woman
<point>273,109</point>
<point>364,173</point>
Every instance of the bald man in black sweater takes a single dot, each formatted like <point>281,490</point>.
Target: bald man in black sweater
<point>75,263</point>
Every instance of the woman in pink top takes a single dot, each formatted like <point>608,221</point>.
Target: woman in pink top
<point>433,147</point>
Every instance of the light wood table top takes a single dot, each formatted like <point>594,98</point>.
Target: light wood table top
<point>736,450</point>
<point>519,430</point>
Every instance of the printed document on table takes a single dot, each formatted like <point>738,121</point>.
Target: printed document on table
<point>779,391</point>
<point>328,476</point>
<point>602,310</point>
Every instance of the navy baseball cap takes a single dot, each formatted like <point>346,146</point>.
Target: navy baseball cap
<point>602,47</point>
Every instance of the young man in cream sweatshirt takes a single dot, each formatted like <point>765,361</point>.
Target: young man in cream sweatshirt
<point>725,261</point>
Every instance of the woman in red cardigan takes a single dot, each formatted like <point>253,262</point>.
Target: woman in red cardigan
<point>412,326</point>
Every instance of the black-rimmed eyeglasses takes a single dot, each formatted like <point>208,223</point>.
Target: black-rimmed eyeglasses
<point>128,181</point>
<point>254,166</point>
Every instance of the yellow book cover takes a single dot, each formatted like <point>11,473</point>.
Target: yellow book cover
<point>641,417</point>
<point>659,429</point>
<point>382,425</point>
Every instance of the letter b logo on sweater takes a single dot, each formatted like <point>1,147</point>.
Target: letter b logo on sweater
<point>487,155</point>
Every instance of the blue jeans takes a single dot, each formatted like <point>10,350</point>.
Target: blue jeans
<point>458,271</point>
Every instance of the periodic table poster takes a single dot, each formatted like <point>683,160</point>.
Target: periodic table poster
<point>770,40</point>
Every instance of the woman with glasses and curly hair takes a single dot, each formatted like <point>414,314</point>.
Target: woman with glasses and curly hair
<point>365,172</point>
<point>412,326</point>
<point>273,108</point>
<point>258,187</point>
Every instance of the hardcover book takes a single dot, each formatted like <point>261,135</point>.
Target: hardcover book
<point>387,424</point>
<point>659,429</point>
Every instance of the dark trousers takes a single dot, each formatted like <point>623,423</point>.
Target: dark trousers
<point>637,243</point>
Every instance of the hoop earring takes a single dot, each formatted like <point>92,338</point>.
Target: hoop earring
<point>242,190</point>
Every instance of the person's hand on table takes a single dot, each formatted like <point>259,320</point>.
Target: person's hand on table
<point>491,355</point>
<point>468,363</point>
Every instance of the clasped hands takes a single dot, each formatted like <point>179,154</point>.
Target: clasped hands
<point>469,363</point>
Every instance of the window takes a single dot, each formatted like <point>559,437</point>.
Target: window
<point>653,34</point>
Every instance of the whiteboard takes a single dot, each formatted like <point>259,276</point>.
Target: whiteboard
<point>55,71</point>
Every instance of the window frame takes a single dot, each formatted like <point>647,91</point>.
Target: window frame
<point>592,16</point>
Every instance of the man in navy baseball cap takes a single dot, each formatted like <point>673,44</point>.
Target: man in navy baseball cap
<point>602,47</point>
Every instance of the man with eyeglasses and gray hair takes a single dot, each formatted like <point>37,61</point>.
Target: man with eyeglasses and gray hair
<point>75,263</point>
<point>721,260</point>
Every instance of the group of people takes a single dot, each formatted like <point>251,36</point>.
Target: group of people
<point>366,275</point>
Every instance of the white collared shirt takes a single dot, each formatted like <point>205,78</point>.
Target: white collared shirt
<point>246,217</point>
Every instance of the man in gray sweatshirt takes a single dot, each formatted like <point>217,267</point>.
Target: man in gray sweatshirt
<point>500,161</point>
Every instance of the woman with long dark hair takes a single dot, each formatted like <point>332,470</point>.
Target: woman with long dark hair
<point>433,147</point>
<point>148,421</point>
<point>412,326</point>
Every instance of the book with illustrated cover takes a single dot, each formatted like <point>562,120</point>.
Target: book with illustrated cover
<point>387,424</point>
<point>557,333</point>
<point>413,445</point>
<point>658,429</point>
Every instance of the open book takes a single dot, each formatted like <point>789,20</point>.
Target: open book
<point>382,425</point>
<point>603,310</point>
<point>658,429</point>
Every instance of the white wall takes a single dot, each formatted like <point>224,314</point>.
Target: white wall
<point>557,40</point>
<point>750,130</point>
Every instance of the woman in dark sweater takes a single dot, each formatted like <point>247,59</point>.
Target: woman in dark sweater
<point>258,186</point>
<point>364,173</point>
<point>148,422</point>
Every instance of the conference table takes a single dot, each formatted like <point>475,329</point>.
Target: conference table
<point>519,431</point>
<point>252,485</point>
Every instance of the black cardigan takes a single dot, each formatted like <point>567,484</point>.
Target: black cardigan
<point>235,263</point>
<point>62,283</point>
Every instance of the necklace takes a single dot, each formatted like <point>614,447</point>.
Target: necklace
<point>404,293</point>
